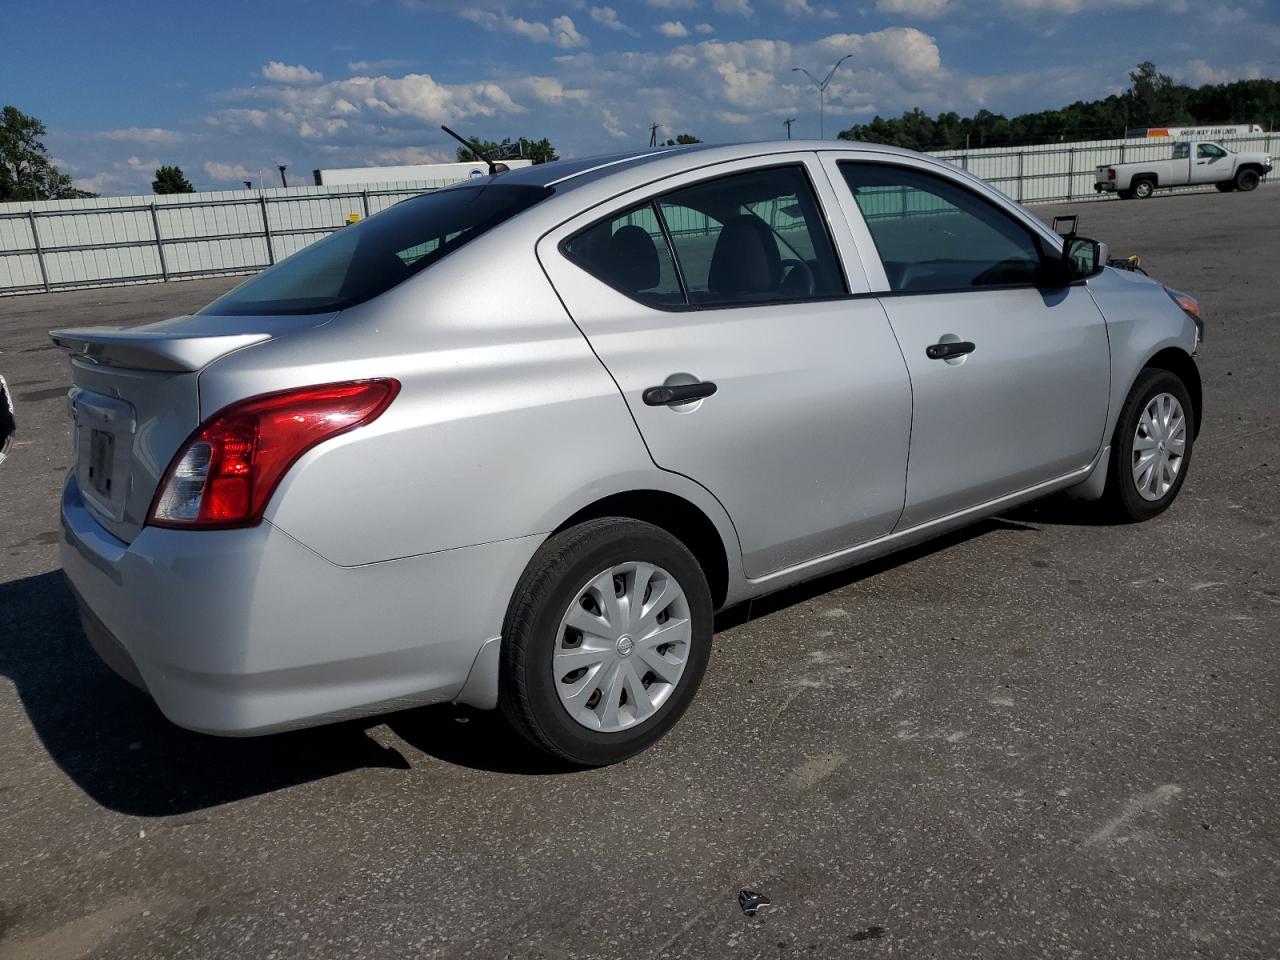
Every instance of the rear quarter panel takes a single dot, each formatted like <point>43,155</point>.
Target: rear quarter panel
<point>506,423</point>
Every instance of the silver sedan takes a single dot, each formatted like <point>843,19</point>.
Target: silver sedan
<point>512,443</point>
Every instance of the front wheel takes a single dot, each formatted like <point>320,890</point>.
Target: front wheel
<point>1247,180</point>
<point>1151,447</point>
<point>606,641</point>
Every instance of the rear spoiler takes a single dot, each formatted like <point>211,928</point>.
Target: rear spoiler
<point>150,350</point>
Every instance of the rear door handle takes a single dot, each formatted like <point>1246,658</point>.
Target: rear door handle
<point>949,348</point>
<point>679,393</point>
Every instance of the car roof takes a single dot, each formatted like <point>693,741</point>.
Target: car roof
<point>644,164</point>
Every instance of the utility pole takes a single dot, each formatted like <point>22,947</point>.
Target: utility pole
<point>787,123</point>
<point>653,134</point>
<point>822,92</point>
<point>283,181</point>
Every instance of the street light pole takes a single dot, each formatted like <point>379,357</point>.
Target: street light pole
<point>822,92</point>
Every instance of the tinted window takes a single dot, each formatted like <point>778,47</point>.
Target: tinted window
<point>933,234</point>
<point>752,238</point>
<point>1181,151</point>
<point>1208,150</point>
<point>361,261</point>
<point>629,252</point>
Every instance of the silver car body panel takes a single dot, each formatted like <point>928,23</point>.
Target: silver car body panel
<point>382,572</point>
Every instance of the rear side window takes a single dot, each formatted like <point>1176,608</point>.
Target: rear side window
<point>629,252</point>
<point>747,238</point>
<point>361,261</point>
<point>933,234</point>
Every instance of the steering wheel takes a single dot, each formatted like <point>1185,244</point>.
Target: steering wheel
<point>797,268</point>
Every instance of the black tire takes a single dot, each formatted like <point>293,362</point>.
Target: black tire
<point>1121,499</point>
<point>1125,194</point>
<point>1226,187</point>
<point>557,573</point>
<point>1143,188</point>
<point>1247,180</point>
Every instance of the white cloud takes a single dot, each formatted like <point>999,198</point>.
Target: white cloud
<point>740,7</point>
<point>278,72</point>
<point>226,172</point>
<point>608,17</point>
<point>803,8</point>
<point>919,9</point>
<point>672,4</point>
<point>149,135</point>
<point>1078,6</point>
<point>672,28</point>
<point>565,35</point>
<point>375,66</point>
<point>561,32</point>
<point>703,28</point>
<point>551,91</point>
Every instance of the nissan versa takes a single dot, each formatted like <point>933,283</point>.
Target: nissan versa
<point>511,443</point>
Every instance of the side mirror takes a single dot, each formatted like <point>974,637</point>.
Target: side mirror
<point>1082,258</point>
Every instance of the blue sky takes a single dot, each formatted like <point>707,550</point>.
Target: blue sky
<point>228,90</point>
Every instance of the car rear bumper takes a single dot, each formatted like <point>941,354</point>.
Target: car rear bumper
<point>248,631</point>
<point>1101,186</point>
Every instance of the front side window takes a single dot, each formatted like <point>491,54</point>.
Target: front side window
<point>356,263</point>
<point>748,238</point>
<point>933,234</point>
<point>1209,151</point>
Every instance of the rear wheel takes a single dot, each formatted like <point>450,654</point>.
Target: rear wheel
<point>1143,189</point>
<point>1226,187</point>
<point>1125,194</point>
<point>1247,180</point>
<point>1151,447</point>
<point>606,641</point>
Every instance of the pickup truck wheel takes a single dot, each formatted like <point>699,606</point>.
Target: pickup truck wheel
<point>1151,448</point>
<point>606,641</point>
<point>1125,194</point>
<point>1143,189</point>
<point>1247,180</point>
<point>1226,187</point>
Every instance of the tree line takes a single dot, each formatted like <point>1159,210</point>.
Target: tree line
<point>1152,100</point>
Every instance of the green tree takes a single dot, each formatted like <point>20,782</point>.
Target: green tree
<point>171,180</point>
<point>1153,99</point>
<point>25,170</point>
<point>682,140</point>
<point>539,151</point>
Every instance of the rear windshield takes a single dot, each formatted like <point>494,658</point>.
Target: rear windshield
<point>361,261</point>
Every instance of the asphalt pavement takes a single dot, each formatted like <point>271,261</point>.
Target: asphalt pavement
<point>1041,737</point>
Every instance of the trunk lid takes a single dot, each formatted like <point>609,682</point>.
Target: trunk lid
<point>135,398</point>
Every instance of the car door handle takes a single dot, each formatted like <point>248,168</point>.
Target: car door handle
<point>949,348</point>
<point>678,393</point>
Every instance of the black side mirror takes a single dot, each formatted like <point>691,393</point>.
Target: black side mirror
<point>1082,258</point>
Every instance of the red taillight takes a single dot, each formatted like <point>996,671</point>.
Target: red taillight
<point>227,470</point>
<point>1111,173</point>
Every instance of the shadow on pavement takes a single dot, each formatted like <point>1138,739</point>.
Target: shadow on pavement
<point>114,743</point>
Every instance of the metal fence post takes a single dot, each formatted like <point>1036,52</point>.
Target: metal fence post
<point>1020,187</point>
<point>35,240</point>
<point>155,226</point>
<point>364,202</point>
<point>1071,170</point>
<point>266,230</point>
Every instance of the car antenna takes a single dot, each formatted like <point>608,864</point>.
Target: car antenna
<point>474,148</point>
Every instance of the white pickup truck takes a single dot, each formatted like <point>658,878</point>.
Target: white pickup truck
<point>1193,162</point>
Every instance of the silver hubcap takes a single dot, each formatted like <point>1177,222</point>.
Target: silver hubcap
<point>622,647</point>
<point>1159,444</point>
